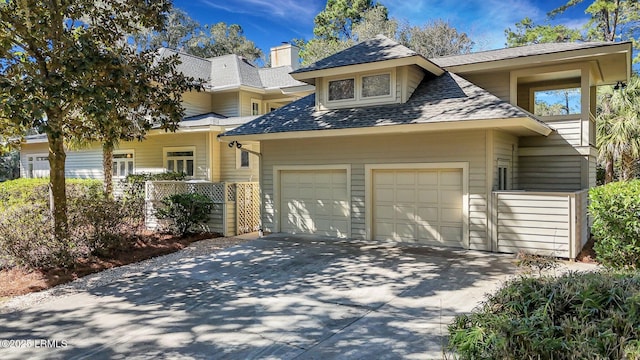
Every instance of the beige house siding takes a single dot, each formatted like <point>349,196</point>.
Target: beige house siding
<point>84,163</point>
<point>149,154</point>
<point>227,104</point>
<point>229,166</point>
<point>245,103</point>
<point>505,148</point>
<point>567,133</point>
<point>496,83</point>
<point>414,77</point>
<point>356,151</point>
<point>30,149</point>
<point>196,103</point>
<point>550,173</point>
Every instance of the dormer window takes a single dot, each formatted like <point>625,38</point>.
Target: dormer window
<point>376,85</point>
<point>367,88</point>
<point>343,89</point>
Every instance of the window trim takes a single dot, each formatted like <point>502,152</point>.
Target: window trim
<point>239,158</point>
<point>168,149</point>
<point>555,87</point>
<point>504,180</point>
<point>358,99</point>
<point>257,102</point>
<point>124,151</point>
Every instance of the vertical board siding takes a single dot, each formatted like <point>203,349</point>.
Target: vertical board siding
<point>463,146</point>
<point>533,223</point>
<point>196,103</point>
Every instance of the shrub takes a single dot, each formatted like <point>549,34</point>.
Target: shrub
<point>615,209</point>
<point>133,190</point>
<point>21,192</point>
<point>184,211</point>
<point>27,239</point>
<point>574,316</point>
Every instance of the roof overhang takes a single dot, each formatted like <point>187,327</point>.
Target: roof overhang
<point>309,77</point>
<point>523,126</point>
<point>612,61</point>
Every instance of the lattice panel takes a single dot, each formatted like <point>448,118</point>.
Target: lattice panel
<point>247,207</point>
<point>158,190</point>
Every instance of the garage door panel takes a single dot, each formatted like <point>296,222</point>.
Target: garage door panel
<point>420,205</point>
<point>314,202</point>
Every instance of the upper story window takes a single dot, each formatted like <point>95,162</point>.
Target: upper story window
<point>554,102</point>
<point>343,89</point>
<point>180,160</point>
<point>255,107</point>
<point>376,85</point>
<point>365,89</point>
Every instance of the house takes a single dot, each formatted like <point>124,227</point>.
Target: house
<point>235,92</point>
<point>449,151</point>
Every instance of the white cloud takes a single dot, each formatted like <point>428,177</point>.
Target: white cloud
<point>293,10</point>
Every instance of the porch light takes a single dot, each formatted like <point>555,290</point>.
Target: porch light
<point>620,85</point>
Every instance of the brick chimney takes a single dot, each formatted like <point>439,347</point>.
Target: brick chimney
<point>285,54</point>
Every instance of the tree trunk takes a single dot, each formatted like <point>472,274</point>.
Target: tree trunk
<point>608,170</point>
<point>107,167</point>
<point>628,167</point>
<point>57,185</point>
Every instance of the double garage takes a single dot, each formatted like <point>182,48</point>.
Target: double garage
<point>422,203</point>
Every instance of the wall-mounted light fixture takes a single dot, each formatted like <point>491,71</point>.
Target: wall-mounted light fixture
<point>237,144</point>
<point>620,85</point>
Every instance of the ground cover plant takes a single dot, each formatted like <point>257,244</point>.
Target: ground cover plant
<point>592,315</point>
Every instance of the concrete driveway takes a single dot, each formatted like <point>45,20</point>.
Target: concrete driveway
<point>279,297</point>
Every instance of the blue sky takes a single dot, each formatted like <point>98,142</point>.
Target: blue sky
<point>270,22</point>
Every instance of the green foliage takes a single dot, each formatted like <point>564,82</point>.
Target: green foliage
<point>184,211</point>
<point>22,191</point>
<point>9,165</point>
<point>338,17</point>
<point>27,239</point>
<point>615,209</point>
<point>574,316</point>
<point>185,34</point>
<point>133,189</point>
<point>527,32</point>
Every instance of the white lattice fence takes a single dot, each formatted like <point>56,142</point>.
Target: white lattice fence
<point>239,199</point>
<point>247,207</point>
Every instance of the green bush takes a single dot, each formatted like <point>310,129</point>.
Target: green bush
<point>133,189</point>
<point>615,209</point>
<point>574,316</point>
<point>184,211</point>
<point>26,239</point>
<point>21,192</point>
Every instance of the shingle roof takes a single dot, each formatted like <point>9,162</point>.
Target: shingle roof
<point>514,52</point>
<point>231,71</point>
<point>379,48</point>
<point>192,66</point>
<point>446,98</point>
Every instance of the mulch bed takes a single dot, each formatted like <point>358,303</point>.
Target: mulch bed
<point>18,281</point>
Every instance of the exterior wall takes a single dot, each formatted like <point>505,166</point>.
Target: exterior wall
<point>30,149</point>
<point>496,83</point>
<point>551,173</point>
<point>196,103</point>
<point>227,104</point>
<point>357,151</point>
<point>229,167</point>
<point>85,163</point>
<point>245,103</point>
<point>149,154</point>
<point>505,148</point>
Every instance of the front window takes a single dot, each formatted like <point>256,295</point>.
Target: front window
<point>342,89</point>
<point>181,161</point>
<point>255,107</point>
<point>376,85</point>
<point>122,164</point>
<point>557,102</point>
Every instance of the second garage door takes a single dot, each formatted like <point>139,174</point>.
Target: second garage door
<point>422,206</point>
<point>314,202</point>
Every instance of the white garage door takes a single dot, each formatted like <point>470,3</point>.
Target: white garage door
<point>422,206</point>
<point>314,202</point>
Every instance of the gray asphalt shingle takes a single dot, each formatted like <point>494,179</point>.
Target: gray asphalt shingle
<point>514,52</point>
<point>445,98</point>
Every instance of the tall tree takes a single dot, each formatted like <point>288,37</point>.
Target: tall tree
<point>436,38</point>
<point>336,21</point>
<point>185,34</point>
<point>52,56</point>
<point>222,39</point>
<point>527,32</point>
